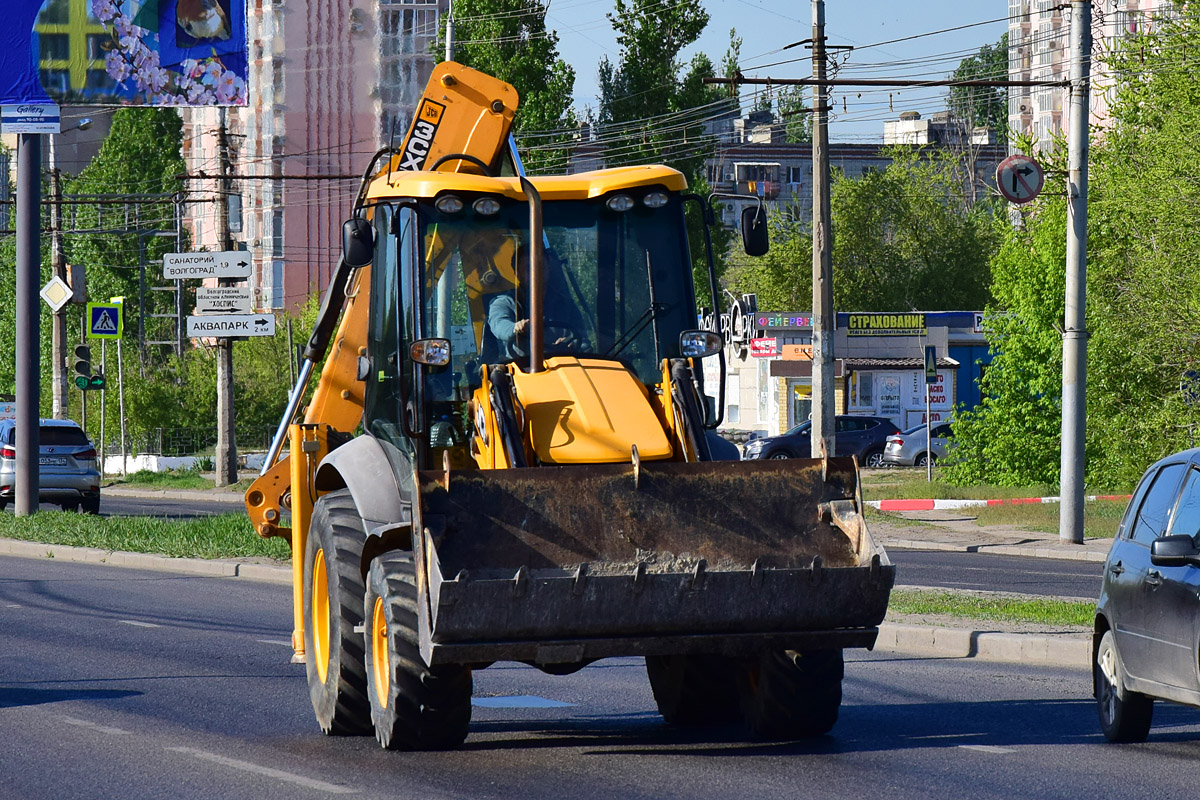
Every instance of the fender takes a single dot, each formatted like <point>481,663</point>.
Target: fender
<point>362,466</point>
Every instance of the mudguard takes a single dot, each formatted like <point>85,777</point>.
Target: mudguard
<point>362,466</point>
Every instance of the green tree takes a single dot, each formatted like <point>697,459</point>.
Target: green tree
<point>653,107</point>
<point>982,105</point>
<point>1143,308</point>
<point>906,237</point>
<point>793,108</point>
<point>508,39</point>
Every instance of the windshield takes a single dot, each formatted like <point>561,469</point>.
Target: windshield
<point>617,283</point>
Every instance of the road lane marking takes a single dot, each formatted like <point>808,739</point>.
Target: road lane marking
<point>258,769</point>
<point>92,726</point>
<point>138,624</point>
<point>280,642</point>
<point>986,748</point>
<point>518,701</point>
<point>13,605</point>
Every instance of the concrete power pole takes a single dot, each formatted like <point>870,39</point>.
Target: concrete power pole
<point>29,374</point>
<point>450,32</point>
<point>822,265</point>
<point>226,455</point>
<point>1074,404</point>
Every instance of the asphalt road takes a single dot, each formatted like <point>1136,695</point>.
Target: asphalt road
<point>1038,576</point>
<point>122,683</point>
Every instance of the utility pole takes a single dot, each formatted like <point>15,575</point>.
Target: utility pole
<point>226,455</point>
<point>29,268</point>
<point>58,263</point>
<point>1074,337</point>
<point>450,32</point>
<point>821,439</point>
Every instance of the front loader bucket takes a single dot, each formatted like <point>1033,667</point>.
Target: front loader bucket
<point>568,564</point>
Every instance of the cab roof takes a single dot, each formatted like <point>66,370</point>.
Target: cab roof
<point>579,186</point>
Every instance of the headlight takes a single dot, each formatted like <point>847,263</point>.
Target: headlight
<point>655,200</point>
<point>449,204</point>
<point>619,202</point>
<point>486,206</point>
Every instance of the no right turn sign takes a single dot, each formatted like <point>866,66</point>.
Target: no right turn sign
<point>1019,178</point>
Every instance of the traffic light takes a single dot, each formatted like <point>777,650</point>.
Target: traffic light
<point>84,379</point>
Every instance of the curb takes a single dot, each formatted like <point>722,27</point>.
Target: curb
<point>945,505</point>
<point>174,494</point>
<point>1026,648</point>
<point>893,637</point>
<point>1001,549</point>
<point>268,573</point>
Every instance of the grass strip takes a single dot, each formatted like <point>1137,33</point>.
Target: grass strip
<point>1043,611</point>
<point>174,479</point>
<point>218,536</point>
<point>1100,517</point>
<point>910,484</point>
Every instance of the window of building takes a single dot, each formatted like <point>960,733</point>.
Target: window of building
<point>795,174</point>
<point>55,46</point>
<point>862,390</point>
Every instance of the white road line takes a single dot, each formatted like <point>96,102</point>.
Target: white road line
<point>140,624</point>
<point>280,642</point>
<point>13,605</point>
<point>92,726</point>
<point>986,748</point>
<point>257,769</point>
<point>518,701</point>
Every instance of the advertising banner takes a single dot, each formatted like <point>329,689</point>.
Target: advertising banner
<point>124,52</point>
<point>885,325</point>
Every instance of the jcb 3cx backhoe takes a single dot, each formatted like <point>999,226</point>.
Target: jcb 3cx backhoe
<point>508,456</point>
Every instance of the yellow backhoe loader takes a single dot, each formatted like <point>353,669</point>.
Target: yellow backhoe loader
<point>509,455</point>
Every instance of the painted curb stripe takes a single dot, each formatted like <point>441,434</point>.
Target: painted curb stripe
<point>938,505</point>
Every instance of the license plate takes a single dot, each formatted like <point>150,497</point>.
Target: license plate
<point>53,461</point>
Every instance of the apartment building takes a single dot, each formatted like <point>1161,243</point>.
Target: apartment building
<point>328,83</point>
<point>1039,48</point>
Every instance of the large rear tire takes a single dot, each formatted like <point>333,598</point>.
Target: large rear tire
<point>413,706</point>
<point>787,694</point>
<point>694,690</point>
<point>333,603</point>
<point>1124,715</point>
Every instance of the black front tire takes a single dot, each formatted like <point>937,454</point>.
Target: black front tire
<point>787,694</point>
<point>1124,715</point>
<point>413,706</point>
<point>694,690</point>
<point>333,603</point>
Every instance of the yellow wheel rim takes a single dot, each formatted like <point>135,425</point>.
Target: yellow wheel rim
<point>320,613</point>
<point>379,653</point>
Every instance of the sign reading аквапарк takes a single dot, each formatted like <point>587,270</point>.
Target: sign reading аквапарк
<point>885,325</point>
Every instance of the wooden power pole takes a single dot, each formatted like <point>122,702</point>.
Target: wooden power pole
<point>823,410</point>
<point>226,455</point>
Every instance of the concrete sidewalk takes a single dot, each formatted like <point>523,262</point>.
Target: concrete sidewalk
<point>956,530</point>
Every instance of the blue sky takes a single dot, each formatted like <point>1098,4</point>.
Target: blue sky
<point>767,25</point>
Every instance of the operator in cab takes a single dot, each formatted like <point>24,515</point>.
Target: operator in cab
<point>508,314</point>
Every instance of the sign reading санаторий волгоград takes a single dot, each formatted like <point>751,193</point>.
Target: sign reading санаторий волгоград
<point>124,52</point>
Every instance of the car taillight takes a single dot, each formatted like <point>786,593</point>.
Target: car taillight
<point>86,455</point>
<point>895,440</point>
<point>7,452</point>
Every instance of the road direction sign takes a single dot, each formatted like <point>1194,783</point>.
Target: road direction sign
<point>226,325</point>
<point>220,264</point>
<point>1019,178</point>
<point>223,300</point>
<point>105,321</point>
<point>56,293</point>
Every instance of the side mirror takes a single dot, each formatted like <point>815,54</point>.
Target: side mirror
<point>1174,551</point>
<point>699,344</point>
<point>358,243</point>
<point>431,352</point>
<point>754,231</point>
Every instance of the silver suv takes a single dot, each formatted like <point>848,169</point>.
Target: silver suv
<point>67,469</point>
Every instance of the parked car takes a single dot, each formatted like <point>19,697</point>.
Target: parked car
<point>68,473</point>
<point>908,448</point>
<point>1145,644</point>
<point>853,436</point>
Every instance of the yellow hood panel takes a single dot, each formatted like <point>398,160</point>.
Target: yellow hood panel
<point>588,411</point>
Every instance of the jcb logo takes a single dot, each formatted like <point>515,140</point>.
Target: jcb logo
<point>416,149</point>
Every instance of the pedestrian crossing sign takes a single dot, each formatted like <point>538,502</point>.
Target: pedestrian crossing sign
<point>105,321</point>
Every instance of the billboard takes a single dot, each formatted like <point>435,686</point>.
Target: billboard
<point>124,52</point>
